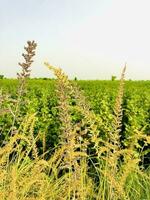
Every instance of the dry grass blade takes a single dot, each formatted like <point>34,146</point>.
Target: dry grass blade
<point>117,121</point>
<point>22,76</point>
<point>30,52</point>
<point>73,156</point>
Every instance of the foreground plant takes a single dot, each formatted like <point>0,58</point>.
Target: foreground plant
<point>85,165</point>
<point>23,76</point>
<point>71,140</point>
<point>30,53</point>
<point>113,164</point>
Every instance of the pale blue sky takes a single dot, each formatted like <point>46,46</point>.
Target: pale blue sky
<point>90,39</point>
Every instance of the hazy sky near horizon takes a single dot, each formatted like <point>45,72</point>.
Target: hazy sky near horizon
<point>90,39</point>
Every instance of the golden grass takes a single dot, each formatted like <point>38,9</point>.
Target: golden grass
<point>72,172</point>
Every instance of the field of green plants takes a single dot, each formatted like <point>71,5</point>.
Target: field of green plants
<point>73,140</point>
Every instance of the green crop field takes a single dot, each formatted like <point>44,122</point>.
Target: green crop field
<point>67,140</point>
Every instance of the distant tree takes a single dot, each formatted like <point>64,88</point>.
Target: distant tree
<point>75,79</point>
<point>1,76</point>
<point>113,78</point>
